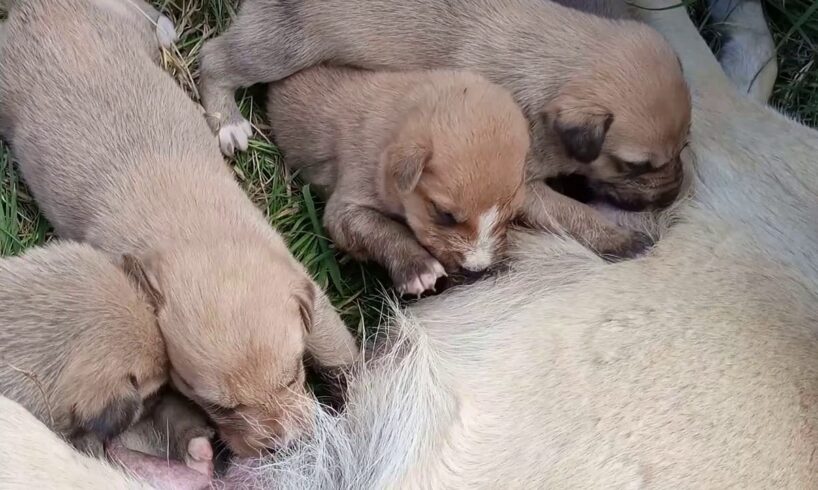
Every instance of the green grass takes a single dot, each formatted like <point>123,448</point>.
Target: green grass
<point>295,211</point>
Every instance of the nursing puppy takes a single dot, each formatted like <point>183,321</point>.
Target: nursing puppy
<point>123,160</point>
<point>605,99</point>
<point>424,169</point>
<point>176,430</point>
<point>79,344</point>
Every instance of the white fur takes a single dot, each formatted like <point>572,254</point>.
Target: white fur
<point>36,458</point>
<point>235,136</point>
<point>482,254</point>
<point>166,32</point>
<point>748,56</point>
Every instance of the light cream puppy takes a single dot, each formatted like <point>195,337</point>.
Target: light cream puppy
<point>123,160</point>
<point>424,170</point>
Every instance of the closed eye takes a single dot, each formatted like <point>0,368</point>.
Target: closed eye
<point>443,217</point>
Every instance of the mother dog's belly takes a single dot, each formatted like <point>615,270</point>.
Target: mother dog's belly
<point>696,368</point>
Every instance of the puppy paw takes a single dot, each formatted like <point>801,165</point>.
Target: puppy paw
<point>417,276</point>
<point>199,456</point>
<point>166,32</point>
<point>235,136</point>
<point>625,245</point>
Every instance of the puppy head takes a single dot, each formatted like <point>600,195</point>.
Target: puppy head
<point>123,358</point>
<point>236,317</point>
<point>456,166</point>
<point>625,119</point>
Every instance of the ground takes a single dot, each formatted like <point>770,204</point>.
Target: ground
<point>295,211</point>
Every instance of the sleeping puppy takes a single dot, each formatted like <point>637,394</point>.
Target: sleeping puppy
<point>605,98</point>
<point>174,430</point>
<point>424,169</point>
<point>79,343</point>
<point>123,160</point>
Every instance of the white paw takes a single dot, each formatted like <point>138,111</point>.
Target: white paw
<point>234,137</point>
<point>200,456</point>
<point>423,279</point>
<point>166,32</point>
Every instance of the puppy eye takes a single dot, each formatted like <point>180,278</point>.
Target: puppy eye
<point>444,218</point>
<point>636,168</point>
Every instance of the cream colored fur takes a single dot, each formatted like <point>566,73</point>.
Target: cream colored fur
<point>695,367</point>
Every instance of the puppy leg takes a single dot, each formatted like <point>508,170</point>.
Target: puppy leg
<point>551,211</point>
<point>748,53</point>
<point>187,431</point>
<point>263,45</point>
<point>367,234</point>
<point>139,12</point>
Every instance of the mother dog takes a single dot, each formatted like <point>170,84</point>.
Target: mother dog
<point>694,367</point>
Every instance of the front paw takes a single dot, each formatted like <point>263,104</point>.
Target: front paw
<point>623,244</point>
<point>235,136</point>
<point>199,456</point>
<point>417,275</point>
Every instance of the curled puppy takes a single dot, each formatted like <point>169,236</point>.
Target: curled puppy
<point>424,169</point>
<point>79,344</point>
<point>124,160</point>
<point>174,430</point>
<point>605,98</point>
<point>35,457</point>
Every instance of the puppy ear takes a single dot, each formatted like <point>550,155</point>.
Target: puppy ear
<point>581,129</point>
<point>330,344</point>
<point>306,305</point>
<point>143,274</point>
<point>405,159</point>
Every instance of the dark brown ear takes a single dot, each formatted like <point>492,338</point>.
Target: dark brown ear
<point>581,131</point>
<point>144,277</point>
<point>306,305</point>
<point>405,159</point>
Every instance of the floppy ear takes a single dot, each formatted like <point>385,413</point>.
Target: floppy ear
<point>306,305</point>
<point>143,274</point>
<point>406,157</point>
<point>581,128</point>
<point>329,343</point>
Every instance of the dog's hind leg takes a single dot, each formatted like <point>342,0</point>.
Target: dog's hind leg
<point>748,53</point>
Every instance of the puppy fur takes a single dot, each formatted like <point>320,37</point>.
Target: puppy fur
<point>694,367</point>
<point>424,169</point>
<point>124,161</point>
<point>175,429</point>
<point>605,98</point>
<point>79,344</point>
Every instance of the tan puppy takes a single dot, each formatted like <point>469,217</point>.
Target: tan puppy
<point>424,169</point>
<point>605,98</point>
<point>79,343</point>
<point>122,159</point>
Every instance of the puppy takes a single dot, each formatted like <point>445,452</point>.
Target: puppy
<point>424,169</point>
<point>604,98</point>
<point>79,344</point>
<point>175,429</point>
<point>123,160</point>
